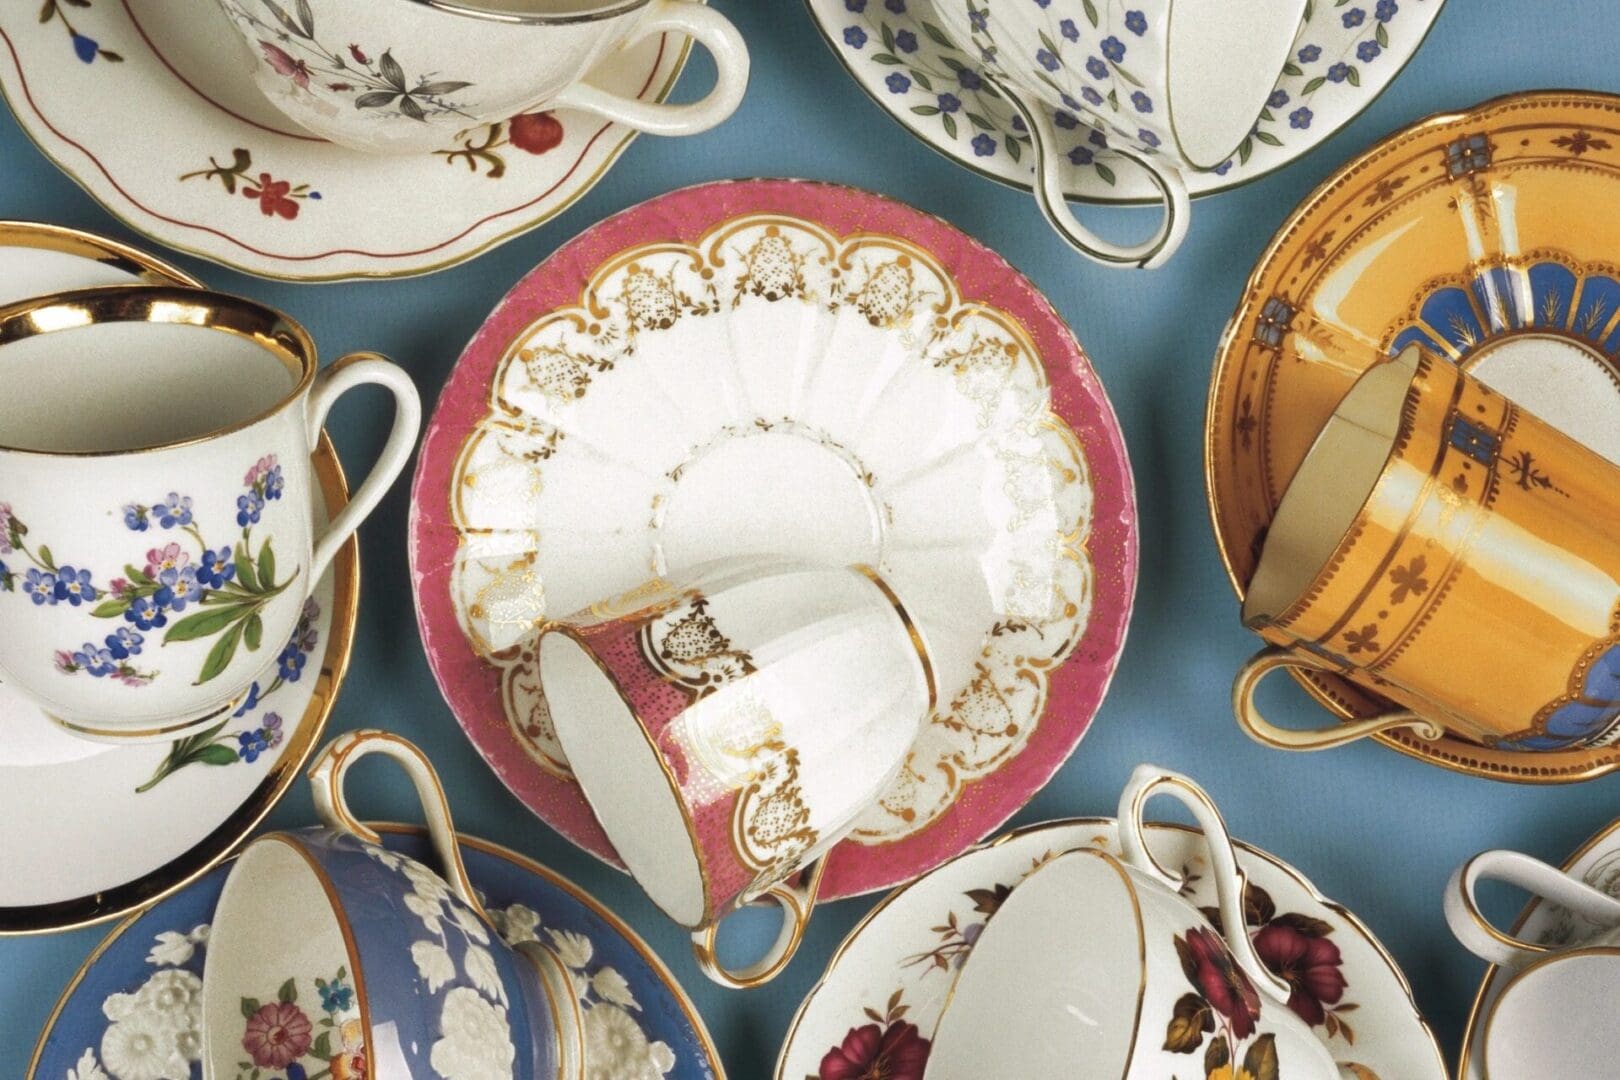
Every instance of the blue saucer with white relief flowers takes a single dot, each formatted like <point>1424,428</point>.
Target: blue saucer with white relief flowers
<point>134,1011</point>
<point>1347,51</point>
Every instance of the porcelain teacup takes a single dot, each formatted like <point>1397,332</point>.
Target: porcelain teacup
<point>1176,85</point>
<point>331,954</point>
<point>1554,1017</point>
<point>403,76</point>
<point>157,537</point>
<point>729,730</point>
<point>1098,967</point>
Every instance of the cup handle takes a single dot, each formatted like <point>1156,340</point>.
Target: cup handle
<point>1230,882</point>
<point>358,369</point>
<point>1053,200</point>
<point>331,767</point>
<point>1265,732</point>
<point>796,902</point>
<point>704,25</point>
<point>1494,946</point>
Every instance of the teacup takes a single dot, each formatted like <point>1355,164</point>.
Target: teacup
<point>1555,1015</point>
<point>1449,551</point>
<point>728,733</point>
<point>401,76</point>
<point>1097,967</point>
<point>157,543</point>
<point>1177,85</point>
<point>331,954</point>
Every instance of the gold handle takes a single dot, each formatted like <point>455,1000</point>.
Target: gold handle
<point>1265,732</point>
<point>796,902</point>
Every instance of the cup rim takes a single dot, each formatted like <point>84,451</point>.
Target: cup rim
<point>1520,978</point>
<point>170,305</point>
<point>471,9</point>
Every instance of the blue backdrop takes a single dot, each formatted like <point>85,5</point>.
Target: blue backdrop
<point>1375,830</point>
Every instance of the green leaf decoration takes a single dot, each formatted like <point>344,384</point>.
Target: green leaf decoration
<point>925,110</point>
<point>1268,138</point>
<point>249,1007</point>
<point>438,89</point>
<point>288,994</point>
<point>392,73</point>
<point>886,59</point>
<point>950,124</point>
<point>215,754</point>
<point>1091,12</point>
<point>1292,68</point>
<point>1383,35</point>
<point>1245,149</point>
<point>940,37</point>
<point>1261,1060</point>
<point>979,121</point>
<point>1354,77</point>
<point>220,656</point>
<point>322,1046</point>
<point>1105,172</point>
<point>376,99</point>
<point>267,567</point>
<point>410,108</point>
<point>1127,76</point>
<point>205,623</point>
<point>285,19</point>
<point>1313,86</point>
<point>111,609</point>
<point>306,18</point>
<point>888,37</point>
<point>922,80</point>
<point>136,575</point>
<point>46,557</point>
<point>253,632</point>
<point>244,568</point>
<point>1014,150</point>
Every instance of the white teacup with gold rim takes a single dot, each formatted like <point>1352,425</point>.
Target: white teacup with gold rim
<point>157,544</point>
<point>1097,967</point>
<point>403,76</point>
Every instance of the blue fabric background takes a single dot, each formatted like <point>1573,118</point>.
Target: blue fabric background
<point>1375,830</point>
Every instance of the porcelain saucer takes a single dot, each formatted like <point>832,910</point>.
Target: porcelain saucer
<point>134,1008</point>
<point>875,1010</point>
<point>1460,233</point>
<point>794,369</point>
<point>233,181</point>
<point>1597,862</point>
<point>1344,56</point>
<point>140,821</point>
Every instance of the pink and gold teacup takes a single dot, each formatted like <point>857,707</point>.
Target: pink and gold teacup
<point>728,733</point>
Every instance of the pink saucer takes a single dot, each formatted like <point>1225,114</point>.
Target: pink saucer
<point>1007,756</point>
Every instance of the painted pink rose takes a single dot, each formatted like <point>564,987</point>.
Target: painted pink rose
<point>898,1052</point>
<point>277,1035</point>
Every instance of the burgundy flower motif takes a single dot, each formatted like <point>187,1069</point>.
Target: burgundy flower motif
<point>272,196</point>
<point>874,1053</point>
<point>359,56</point>
<point>278,1035</point>
<point>1310,964</point>
<point>284,64</point>
<point>1213,973</point>
<point>535,132</point>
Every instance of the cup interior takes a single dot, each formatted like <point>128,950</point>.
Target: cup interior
<point>1055,983</point>
<point>1223,61</point>
<point>136,368</point>
<point>275,932</point>
<point>1556,1018</point>
<point>1331,486</point>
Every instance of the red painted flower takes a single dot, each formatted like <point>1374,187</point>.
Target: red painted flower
<point>272,196</point>
<point>535,132</point>
<point>1311,965</point>
<point>359,56</point>
<point>277,1035</point>
<point>283,62</point>
<point>1213,973</point>
<point>873,1053</point>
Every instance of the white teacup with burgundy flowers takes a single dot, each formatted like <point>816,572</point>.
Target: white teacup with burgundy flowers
<point>1098,967</point>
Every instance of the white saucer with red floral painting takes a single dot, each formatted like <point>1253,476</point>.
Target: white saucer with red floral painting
<point>874,1012</point>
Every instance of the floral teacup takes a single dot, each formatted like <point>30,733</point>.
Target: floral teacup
<point>402,76</point>
<point>332,955</point>
<point>1176,84</point>
<point>157,539</point>
<point>1097,967</point>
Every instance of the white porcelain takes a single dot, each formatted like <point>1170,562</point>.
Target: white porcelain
<point>157,498</point>
<point>1159,76</point>
<point>1556,1018</point>
<point>329,951</point>
<point>1542,881</point>
<point>1097,966</point>
<point>402,76</point>
<point>728,732</point>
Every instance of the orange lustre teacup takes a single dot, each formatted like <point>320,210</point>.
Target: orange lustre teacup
<point>1447,550</point>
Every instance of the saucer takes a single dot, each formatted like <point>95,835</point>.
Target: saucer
<point>1596,862</point>
<point>234,181</point>
<point>1456,234</point>
<point>899,53</point>
<point>888,983</point>
<point>143,820</point>
<point>145,979</point>
<point>796,369</point>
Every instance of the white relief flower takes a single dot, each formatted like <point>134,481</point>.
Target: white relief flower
<point>517,923</point>
<point>169,1001</point>
<point>425,909</point>
<point>174,948</point>
<point>573,949</point>
<point>617,1049</point>
<point>384,856</point>
<point>424,882</point>
<point>471,925</point>
<point>433,963</point>
<point>140,1049</point>
<point>483,973</point>
<point>611,987</point>
<point>88,1068</point>
<point>477,1042</point>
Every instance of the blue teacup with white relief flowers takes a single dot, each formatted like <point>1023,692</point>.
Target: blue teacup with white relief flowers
<point>1174,85</point>
<point>157,536</point>
<point>333,958</point>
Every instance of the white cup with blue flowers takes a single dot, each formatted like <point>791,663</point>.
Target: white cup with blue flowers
<point>1174,85</point>
<point>157,501</point>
